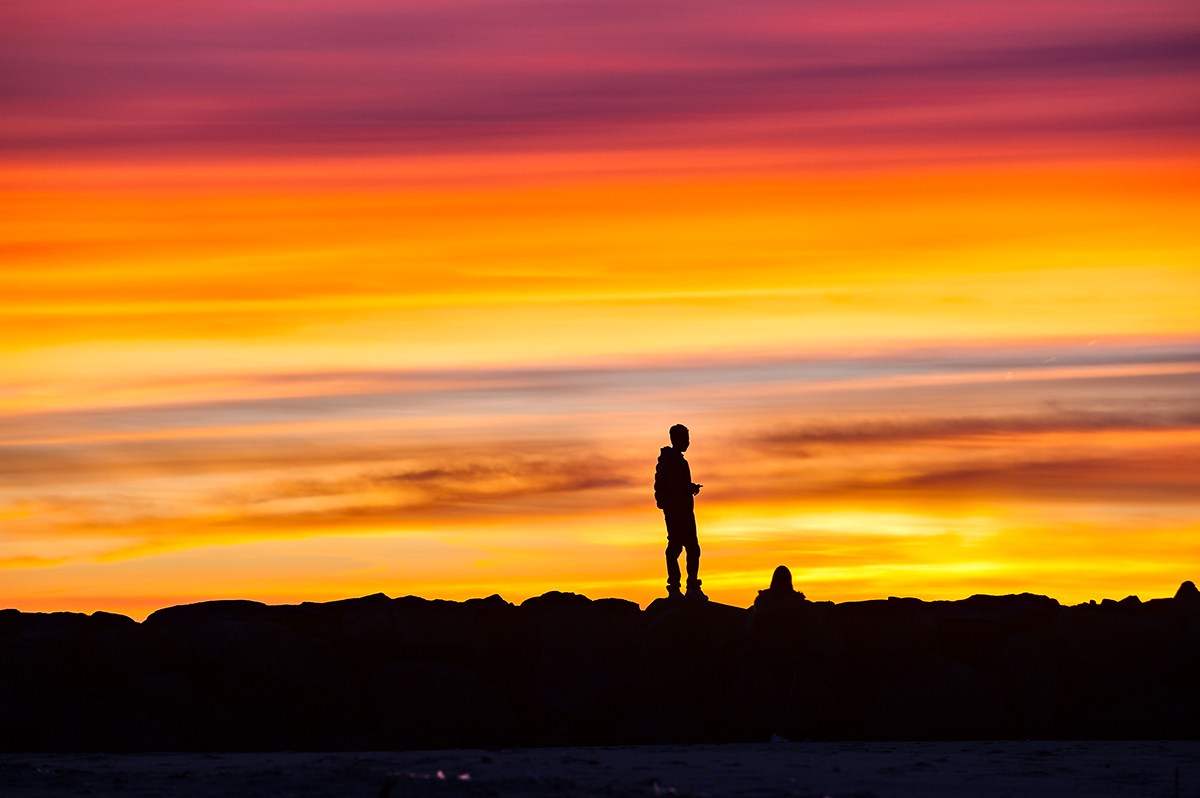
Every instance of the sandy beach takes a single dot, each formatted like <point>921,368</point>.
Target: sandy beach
<point>837,770</point>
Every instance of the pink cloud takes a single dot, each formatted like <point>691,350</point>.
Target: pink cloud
<point>473,75</point>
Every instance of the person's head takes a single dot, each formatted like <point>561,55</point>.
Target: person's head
<point>781,580</point>
<point>679,437</point>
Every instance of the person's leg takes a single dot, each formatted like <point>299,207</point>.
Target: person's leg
<point>693,562</point>
<point>674,547</point>
<point>685,531</point>
<point>676,534</point>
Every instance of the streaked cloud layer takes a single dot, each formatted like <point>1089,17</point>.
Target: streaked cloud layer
<point>306,299</point>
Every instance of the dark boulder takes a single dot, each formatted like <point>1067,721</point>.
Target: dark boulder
<point>867,646</point>
<point>198,718</point>
<point>34,685</point>
<point>585,659</point>
<point>186,618</point>
<point>414,628</point>
<point>438,705</point>
<point>134,650</point>
<point>1157,712</point>
<point>62,632</point>
<point>774,640</point>
<point>1032,668</point>
<point>1118,647</point>
<point>11,623</point>
<point>688,661</point>
<point>287,691</point>
<point>939,699</point>
<point>111,723</point>
<point>974,629</point>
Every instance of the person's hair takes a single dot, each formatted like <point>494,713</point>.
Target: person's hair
<point>678,432</point>
<point>782,580</point>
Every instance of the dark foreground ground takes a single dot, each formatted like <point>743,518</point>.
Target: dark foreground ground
<point>839,770</point>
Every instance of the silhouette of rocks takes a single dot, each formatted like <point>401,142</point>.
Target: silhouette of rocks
<point>939,699</point>
<point>437,705</point>
<point>562,669</point>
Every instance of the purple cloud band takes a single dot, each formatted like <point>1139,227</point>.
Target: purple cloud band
<point>471,75</point>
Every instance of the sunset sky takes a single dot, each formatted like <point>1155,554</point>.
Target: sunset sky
<point>306,300</point>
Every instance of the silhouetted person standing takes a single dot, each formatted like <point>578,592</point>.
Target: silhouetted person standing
<point>673,492</point>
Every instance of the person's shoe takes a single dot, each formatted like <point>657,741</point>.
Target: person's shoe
<point>694,592</point>
<point>673,592</point>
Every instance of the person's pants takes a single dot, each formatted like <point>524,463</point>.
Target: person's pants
<point>681,534</point>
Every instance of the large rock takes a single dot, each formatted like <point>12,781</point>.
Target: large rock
<point>586,653</point>
<point>1118,648</point>
<point>774,640</point>
<point>1152,713</point>
<point>281,689</point>
<point>186,618</point>
<point>974,629</point>
<point>1029,660</point>
<point>379,629</point>
<point>939,699</point>
<point>133,650</point>
<point>62,632</point>
<point>288,691</point>
<point>110,723</point>
<point>34,685</point>
<point>813,709</point>
<point>868,645</point>
<point>688,662</point>
<point>438,705</point>
<point>197,718</point>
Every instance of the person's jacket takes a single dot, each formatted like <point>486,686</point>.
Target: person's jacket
<point>673,481</point>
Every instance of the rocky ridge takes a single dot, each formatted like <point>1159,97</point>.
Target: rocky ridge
<point>560,669</point>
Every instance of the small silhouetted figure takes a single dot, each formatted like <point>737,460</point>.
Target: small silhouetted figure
<point>674,492</point>
<point>775,631</point>
<point>780,591</point>
<point>778,600</point>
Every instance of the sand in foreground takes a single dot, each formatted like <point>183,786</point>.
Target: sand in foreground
<point>839,770</point>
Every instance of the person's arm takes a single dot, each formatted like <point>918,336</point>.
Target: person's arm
<point>687,477</point>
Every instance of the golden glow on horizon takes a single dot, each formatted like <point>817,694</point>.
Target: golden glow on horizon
<point>872,560</point>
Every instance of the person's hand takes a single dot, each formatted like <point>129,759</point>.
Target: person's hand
<point>696,488</point>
